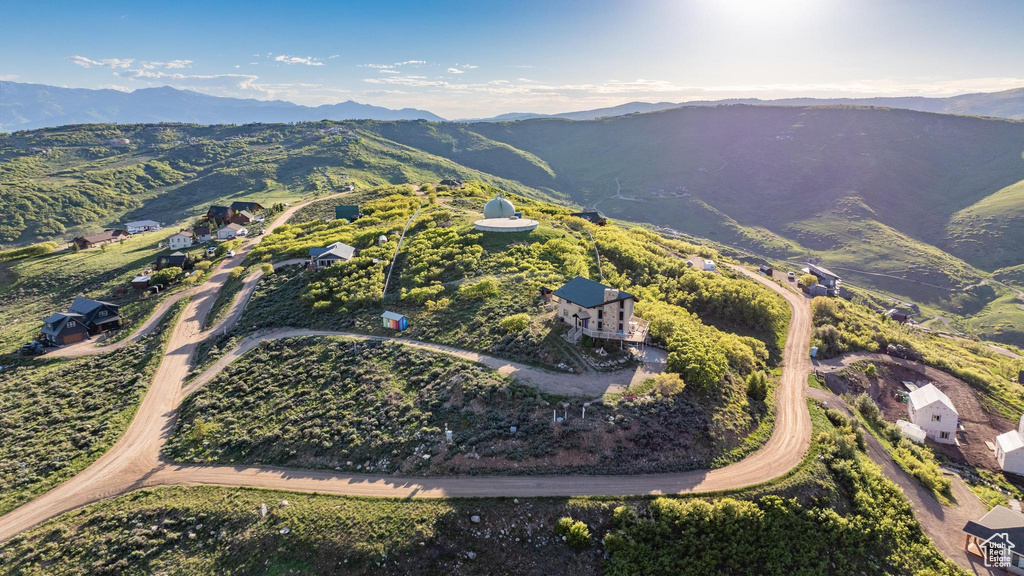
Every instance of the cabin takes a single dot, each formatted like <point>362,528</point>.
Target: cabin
<point>105,237</point>
<point>140,282</point>
<point>219,214</point>
<point>176,260</point>
<point>98,316</point>
<point>897,316</point>
<point>320,258</point>
<point>592,216</point>
<point>933,411</point>
<point>201,234</point>
<point>231,231</point>
<point>394,321</point>
<point>826,278</point>
<point>346,212</point>
<point>181,240</point>
<point>451,183</point>
<point>250,207</point>
<point>242,217</point>
<point>998,538</point>
<point>1010,450</point>
<point>598,311</point>
<point>63,328</point>
<point>142,226</point>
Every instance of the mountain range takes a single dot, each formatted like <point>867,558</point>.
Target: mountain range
<point>1004,104</point>
<point>31,106</point>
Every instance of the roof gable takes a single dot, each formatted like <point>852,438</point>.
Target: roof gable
<point>928,395</point>
<point>587,293</point>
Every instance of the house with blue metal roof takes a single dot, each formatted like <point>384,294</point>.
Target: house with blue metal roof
<point>599,311</point>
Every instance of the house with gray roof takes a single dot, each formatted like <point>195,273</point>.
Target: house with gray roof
<point>63,328</point>
<point>599,311</point>
<point>98,316</point>
<point>329,255</point>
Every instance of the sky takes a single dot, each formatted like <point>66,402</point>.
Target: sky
<point>462,59</point>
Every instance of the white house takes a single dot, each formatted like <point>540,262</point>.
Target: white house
<point>181,240</point>
<point>231,230</point>
<point>1010,450</point>
<point>142,226</point>
<point>932,410</point>
<point>598,311</point>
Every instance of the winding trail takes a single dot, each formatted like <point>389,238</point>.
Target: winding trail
<point>135,461</point>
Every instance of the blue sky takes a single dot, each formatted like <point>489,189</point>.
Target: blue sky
<point>472,59</point>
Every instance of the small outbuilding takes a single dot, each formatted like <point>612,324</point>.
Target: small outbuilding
<point>394,321</point>
<point>232,230</point>
<point>930,409</point>
<point>140,282</point>
<point>346,212</point>
<point>912,431</point>
<point>998,538</point>
<point>1010,450</point>
<point>709,265</point>
<point>592,216</point>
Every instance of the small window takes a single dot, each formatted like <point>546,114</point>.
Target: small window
<point>944,435</point>
<point>599,325</point>
<point>71,324</point>
<point>936,417</point>
<point>622,303</point>
<point>102,313</point>
<point>565,313</point>
<point>622,316</point>
<point>600,313</point>
<point>620,326</point>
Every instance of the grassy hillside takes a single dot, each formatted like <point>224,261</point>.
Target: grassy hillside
<point>850,520</point>
<point>769,179</point>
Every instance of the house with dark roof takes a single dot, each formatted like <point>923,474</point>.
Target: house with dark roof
<point>451,183</point>
<point>251,207</point>
<point>220,213</point>
<point>105,237</point>
<point>592,216</point>
<point>323,257</point>
<point>98,316</point>
<point>998,538</point>
<point>176,260</point>
<point>599,311</point>
<point>63,328</point>
<point>201,234</point>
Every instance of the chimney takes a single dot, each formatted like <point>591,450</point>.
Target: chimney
<point>611,294</point>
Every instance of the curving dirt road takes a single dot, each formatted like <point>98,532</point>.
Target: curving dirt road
<point>135,460</point>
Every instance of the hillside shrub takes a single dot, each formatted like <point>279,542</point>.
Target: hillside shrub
<point>700,362</point>
<point>574,532</point>
<point>515,322</point>
<point>757,386</point>
<point>421,294</point>
<point>28,251</point>
<point>481,289</point>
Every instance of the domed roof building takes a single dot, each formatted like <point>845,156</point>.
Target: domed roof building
<point>499,207</point>
<point>501,216</point>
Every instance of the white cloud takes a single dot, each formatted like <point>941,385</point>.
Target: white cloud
<point>456,71</point>
<point>394,65</point>
<point>172,65</point>
<point>389,71</point>
<point>103,63</point>
<point>118,87</point>
<point>9,76</point>
<point>308,60</point>
<point>333,56</point>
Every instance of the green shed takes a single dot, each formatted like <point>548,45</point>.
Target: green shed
<point>349,213</point>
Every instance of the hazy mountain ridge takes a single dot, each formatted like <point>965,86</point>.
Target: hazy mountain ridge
<point>1005,104</point>
<point>31,106</point>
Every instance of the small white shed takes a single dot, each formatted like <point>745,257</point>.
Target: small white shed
<point>912,431</point>
<point>709,265</point>
<point>1010,450</point>
<point>933,411</point>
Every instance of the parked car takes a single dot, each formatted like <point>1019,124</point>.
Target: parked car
<point>231,254</point>
<point>792,276</point>
<point>31,349</point>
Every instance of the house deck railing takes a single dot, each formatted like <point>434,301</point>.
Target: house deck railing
<point>636,332</point>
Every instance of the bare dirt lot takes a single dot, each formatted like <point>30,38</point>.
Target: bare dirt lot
<point>979,425</point>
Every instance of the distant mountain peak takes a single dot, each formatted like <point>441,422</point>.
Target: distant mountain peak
<point>29,106</point>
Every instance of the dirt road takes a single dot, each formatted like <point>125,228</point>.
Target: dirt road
<point>135,460</point>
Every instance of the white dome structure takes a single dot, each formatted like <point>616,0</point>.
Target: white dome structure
<point>501,216</point>
<point>499,207</point>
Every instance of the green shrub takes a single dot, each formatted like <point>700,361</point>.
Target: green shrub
<point>267,268</point>
<point>667,384</point>
<point>481,289</point>
<point>757,386</point>
<point>808,280</point>
<point>515,322</point>
<point>166,276</point>
<point>203,265</point>
<point>236,273</point>
<point>870,370</point>
<point>421,294</point>
<point>574,532</point>
<point>28,251</point>
<point>699,360</point>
